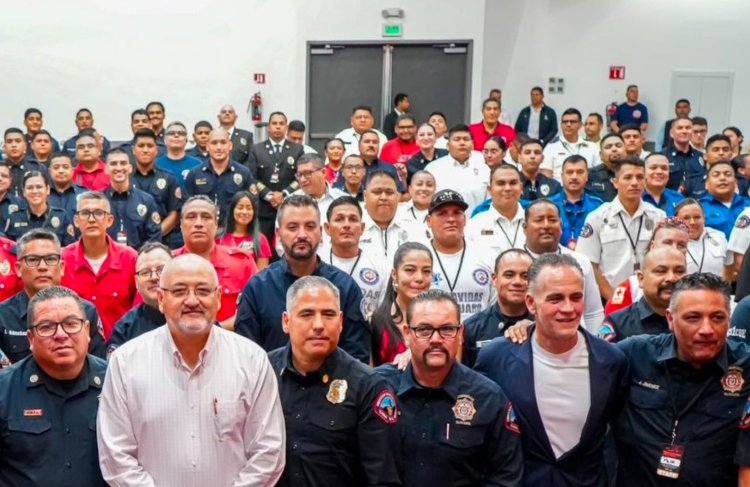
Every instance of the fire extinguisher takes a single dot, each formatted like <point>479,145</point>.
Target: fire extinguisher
<point>610,110</point>
<point>256,105</point>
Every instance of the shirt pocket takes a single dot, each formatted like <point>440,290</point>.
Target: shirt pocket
<point>29,437</point>
<point>229,419</point>
<point>645,398</point>
<point>463,437</point>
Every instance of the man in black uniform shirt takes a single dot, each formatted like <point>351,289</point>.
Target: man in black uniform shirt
<point>662,267</point>
<point>688,399</point>
<point>458,427</point>
<point>511,282</point>
<point>152,258</point>
<point>39,267</point>
<point>242,140</point>
<point>17,159</point>
<point>48,402</point>
<point>201,131</point>
<point>62,190</point>
<point>156,114</point>
<point>341,417</point>
<point>274,165</point>
<point>601,176</point>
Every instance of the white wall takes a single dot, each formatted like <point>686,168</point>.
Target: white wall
<point>579,39</point>
<point>194,55</point>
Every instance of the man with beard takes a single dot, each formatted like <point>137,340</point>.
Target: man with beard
<point>400,149</point>
<point>262,303</point>
<point>662,267</point>
<point>458,427</point>
<point>601,176</point>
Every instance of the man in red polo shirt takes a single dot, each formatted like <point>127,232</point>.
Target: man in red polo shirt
<point>490,125</point>
<point>89,172</point>
<point>96,267</point>
<point>404,146</point>
<point>234,267</point>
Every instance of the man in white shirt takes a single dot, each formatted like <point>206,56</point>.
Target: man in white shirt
<point>570,143</point>
<point>543,229</point>
<point>312,182</point>
<point>463,270</point>
<point>463,169</point>
<point>499,227</point>
<point>369,270</point>
<point>383,233</point>
<point>362,121</point>
<point>190,404</point>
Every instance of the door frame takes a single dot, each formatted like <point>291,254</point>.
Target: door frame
<point>728,75</point>
<point>381,43</point>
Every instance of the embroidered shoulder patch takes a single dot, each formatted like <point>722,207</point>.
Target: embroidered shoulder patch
<point>385,407</point>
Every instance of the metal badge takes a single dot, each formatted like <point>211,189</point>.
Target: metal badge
<point>141,209</point>
<point>464,409</point>
<point>237,178</point>
<point>337,391</point>
<point>54,221</point>
<point>161,183</point>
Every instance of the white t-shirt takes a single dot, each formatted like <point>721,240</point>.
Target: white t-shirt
<point>562,386</point>
<point>96,264</point>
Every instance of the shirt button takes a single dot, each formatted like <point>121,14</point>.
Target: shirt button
<point>298,416</point>
<point>294,446</point>
<point>424,435</point>
<point>93,298</point>
<point>67,430</point>
<point>67,464</point>
<point>332,423</point>
<point>193,463</point>
<point>421,464</point>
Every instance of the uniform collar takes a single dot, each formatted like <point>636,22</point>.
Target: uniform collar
<point>285,267</point>
<point>618,208</point>
<point>370,223</point>
<point>34,376</point>
<point>111,261</point>
<point>496,215</point>
<point>208,167</point>
<point>151,314</point>
<point>324,374</point>
<point>450,385</point>
<point>645,310</point>
<point>669,351</point>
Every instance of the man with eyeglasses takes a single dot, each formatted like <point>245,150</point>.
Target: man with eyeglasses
<point>49,401</point>
<point>458,427</point>
<point>400,149</point>
<point>234,266</point>
<point>214,416</point>
<point>90,171</point>
<point>39,266</point>
<point>220,178</point>
<point>176,161</point>
<point>146,316</point>
<point>341,417</point>
<point>96,266</point>
<point>353,180</point>
<point>312,182</point>
<point>136,218</point>
<point>568,144</point>
<point>159,183</point>
<point>565,384</point>
<point>242,140</point>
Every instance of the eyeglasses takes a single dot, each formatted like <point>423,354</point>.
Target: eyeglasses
<point>35,260</point>
<point>97,214</point>
<point>426,332</point>
<point>147,273</point>
<point>70,326</point>
<point>85,146</point>
<point>307,174</point>
<point>570,122</point>
<point>353,168</point>
<point>176,133</point>
<point>201,292</point>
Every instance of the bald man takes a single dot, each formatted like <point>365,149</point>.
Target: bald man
<point>242,140</point>
<point>220,177</point>
<point>199,431</point>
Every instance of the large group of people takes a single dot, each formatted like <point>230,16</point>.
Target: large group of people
<point>545,303</point>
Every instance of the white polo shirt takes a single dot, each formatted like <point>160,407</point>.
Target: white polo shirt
<point>709,253</point>
<point>493,231</point>
<point>382,244</point>
<point>556,152</point>
<point>469,179</point>
<point>609,235</point>
<point>351,140</point>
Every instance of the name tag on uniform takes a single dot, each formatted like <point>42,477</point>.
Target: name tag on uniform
<point>365,240</point>
<point>32,412</point>
<point>201,181</point>
<point>670,461</point>
<point>482,343</point>
<point>487,232</point>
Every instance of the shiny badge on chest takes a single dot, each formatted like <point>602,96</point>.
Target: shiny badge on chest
<point>732,381</point>
<point>464,409</point>
<point>337,391</point>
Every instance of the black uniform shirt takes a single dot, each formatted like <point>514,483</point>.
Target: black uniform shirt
<point>55,220</point>
<point>341,424</point>
<point>600,183</point>
<point>48,426</point>
<point>636,319</point>
<point>139,320</point>
<point>483,327</point>
<point>137,218</point>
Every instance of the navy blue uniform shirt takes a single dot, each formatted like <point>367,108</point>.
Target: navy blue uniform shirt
<point>139,320</point>
<point>54,219</point>
<point>48,426</point>
<point>463,433</point>
<point>481,328</point>
<point>636,319</point>
<point>600,183</point>
<point>136,215</point>
<point>218,187</point>
<point>66,199</point>
<point>263,300</point>
<point>342,423</point>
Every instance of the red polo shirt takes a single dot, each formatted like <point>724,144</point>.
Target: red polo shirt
<point>234,267</point>
<point>480,135</point>
<point>10,283</point>
<point>96,180</point>
<point>112,290</point>
<point>397,152</point>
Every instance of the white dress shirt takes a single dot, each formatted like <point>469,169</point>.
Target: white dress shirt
<point>219,425</point>
<point>351,140</point>
<point>556,152</point>
<point>491,230</point>
<point>382,244</point>
<point>470,179</point>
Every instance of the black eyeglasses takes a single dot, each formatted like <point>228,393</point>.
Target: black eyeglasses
<point>147,273</point>
<point>176,133</point>
<point>34,260</point>
<point>425,332</point>
<point>71,326</point>
<point>97,214</point>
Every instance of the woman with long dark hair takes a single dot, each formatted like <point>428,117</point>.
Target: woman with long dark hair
<point>243,230</point>
<point>410,276</point>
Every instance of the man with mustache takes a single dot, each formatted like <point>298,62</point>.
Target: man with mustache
<point>565,384</point>
<point>574,202</point>
<point>262,303</point>
<point>214,412</point>
<point>662,267</point>
<point>459,428</point>
<point>147,316</point>
<point>688,398</point>
<point>342,424</point>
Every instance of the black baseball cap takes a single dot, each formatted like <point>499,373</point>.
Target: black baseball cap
<point>446,197</point>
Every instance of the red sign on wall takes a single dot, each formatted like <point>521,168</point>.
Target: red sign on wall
<point>617,72</point>
<point>260,78</point>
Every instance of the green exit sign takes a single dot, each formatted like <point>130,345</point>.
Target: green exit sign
<point>393,30</point>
